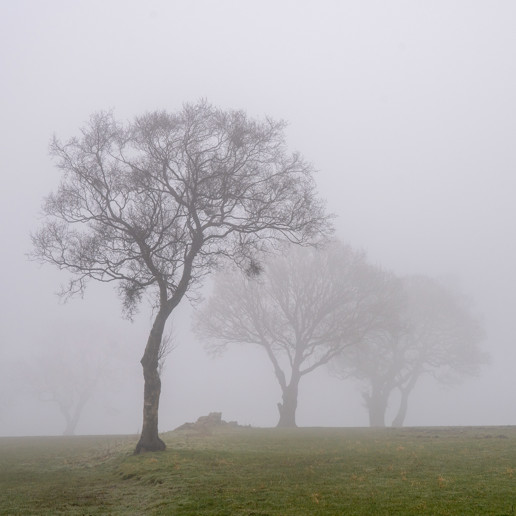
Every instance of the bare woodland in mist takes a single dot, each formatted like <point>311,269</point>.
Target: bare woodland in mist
<point>314,307</point>
<point>157,204</point>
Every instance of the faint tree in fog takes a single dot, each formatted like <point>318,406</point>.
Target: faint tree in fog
<point>69,385</point>
<point>435,334</point>
<point>303,309</point>
<point>69,370</point>
<point>157,203</point>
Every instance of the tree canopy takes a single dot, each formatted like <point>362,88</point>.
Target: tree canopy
<point>304,308</point>
<point>434,334</point>
<point>154,204</point>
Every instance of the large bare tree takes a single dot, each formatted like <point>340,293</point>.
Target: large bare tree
<point>303,309</point>
<point>156,203</point>
<point>434,333</point>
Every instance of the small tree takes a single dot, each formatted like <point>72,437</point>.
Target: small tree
<point>303,309</point>
<point>58,378</point>
<point>434,334</point>
<point>70,367</point>
<point>155,204</point>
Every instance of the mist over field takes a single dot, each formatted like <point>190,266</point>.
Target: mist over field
<point>407,111</point>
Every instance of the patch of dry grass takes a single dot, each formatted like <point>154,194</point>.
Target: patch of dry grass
<point>266,472</point>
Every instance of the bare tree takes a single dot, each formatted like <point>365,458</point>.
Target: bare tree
<point>435,334</point>
<point>69,385</point>
<point>155,204</point>
<point>70,368</point>
<point>303,309</point>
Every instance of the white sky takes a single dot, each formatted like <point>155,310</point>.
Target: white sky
<point>406,108</point>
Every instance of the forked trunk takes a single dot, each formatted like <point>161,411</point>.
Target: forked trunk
<point>287,409</point>
<point>405,391</point>
<point>149,439</point>
<point>71,424</point>
<point>402,411</point>
<point>73,414</point>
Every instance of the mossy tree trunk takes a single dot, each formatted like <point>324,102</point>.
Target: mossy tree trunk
<point>149,439</point>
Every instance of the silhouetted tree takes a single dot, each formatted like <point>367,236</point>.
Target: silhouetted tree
<point>433,334</point>
<point>156,203</point>
<point>67,384</point>
<point>303,309</point>
<point>72,364</point>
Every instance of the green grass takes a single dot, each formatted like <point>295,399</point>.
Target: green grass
<point>324,471</point>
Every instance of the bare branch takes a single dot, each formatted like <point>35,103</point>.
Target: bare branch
<point>303,307</point>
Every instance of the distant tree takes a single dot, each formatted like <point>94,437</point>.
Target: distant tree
<point>69,385</point>
<point>157,203</point>
<point>433,334</point>
<point>70,369</point>
<point>303,309</point>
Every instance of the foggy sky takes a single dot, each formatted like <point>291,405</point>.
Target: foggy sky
<point>407,109</point>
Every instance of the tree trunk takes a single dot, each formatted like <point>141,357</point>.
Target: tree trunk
<point>70,423</point>
<point>405,392</point>
<point>149,440</point>
<point>376,403</point>
<point>402,411</point>
<point>287,409</point>
<point>72,415</point>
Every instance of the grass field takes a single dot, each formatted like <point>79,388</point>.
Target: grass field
<point>243,471</point>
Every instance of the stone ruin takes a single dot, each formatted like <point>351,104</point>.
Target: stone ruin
<point>205,424</point>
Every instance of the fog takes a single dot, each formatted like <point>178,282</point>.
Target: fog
<point>406,109</point>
